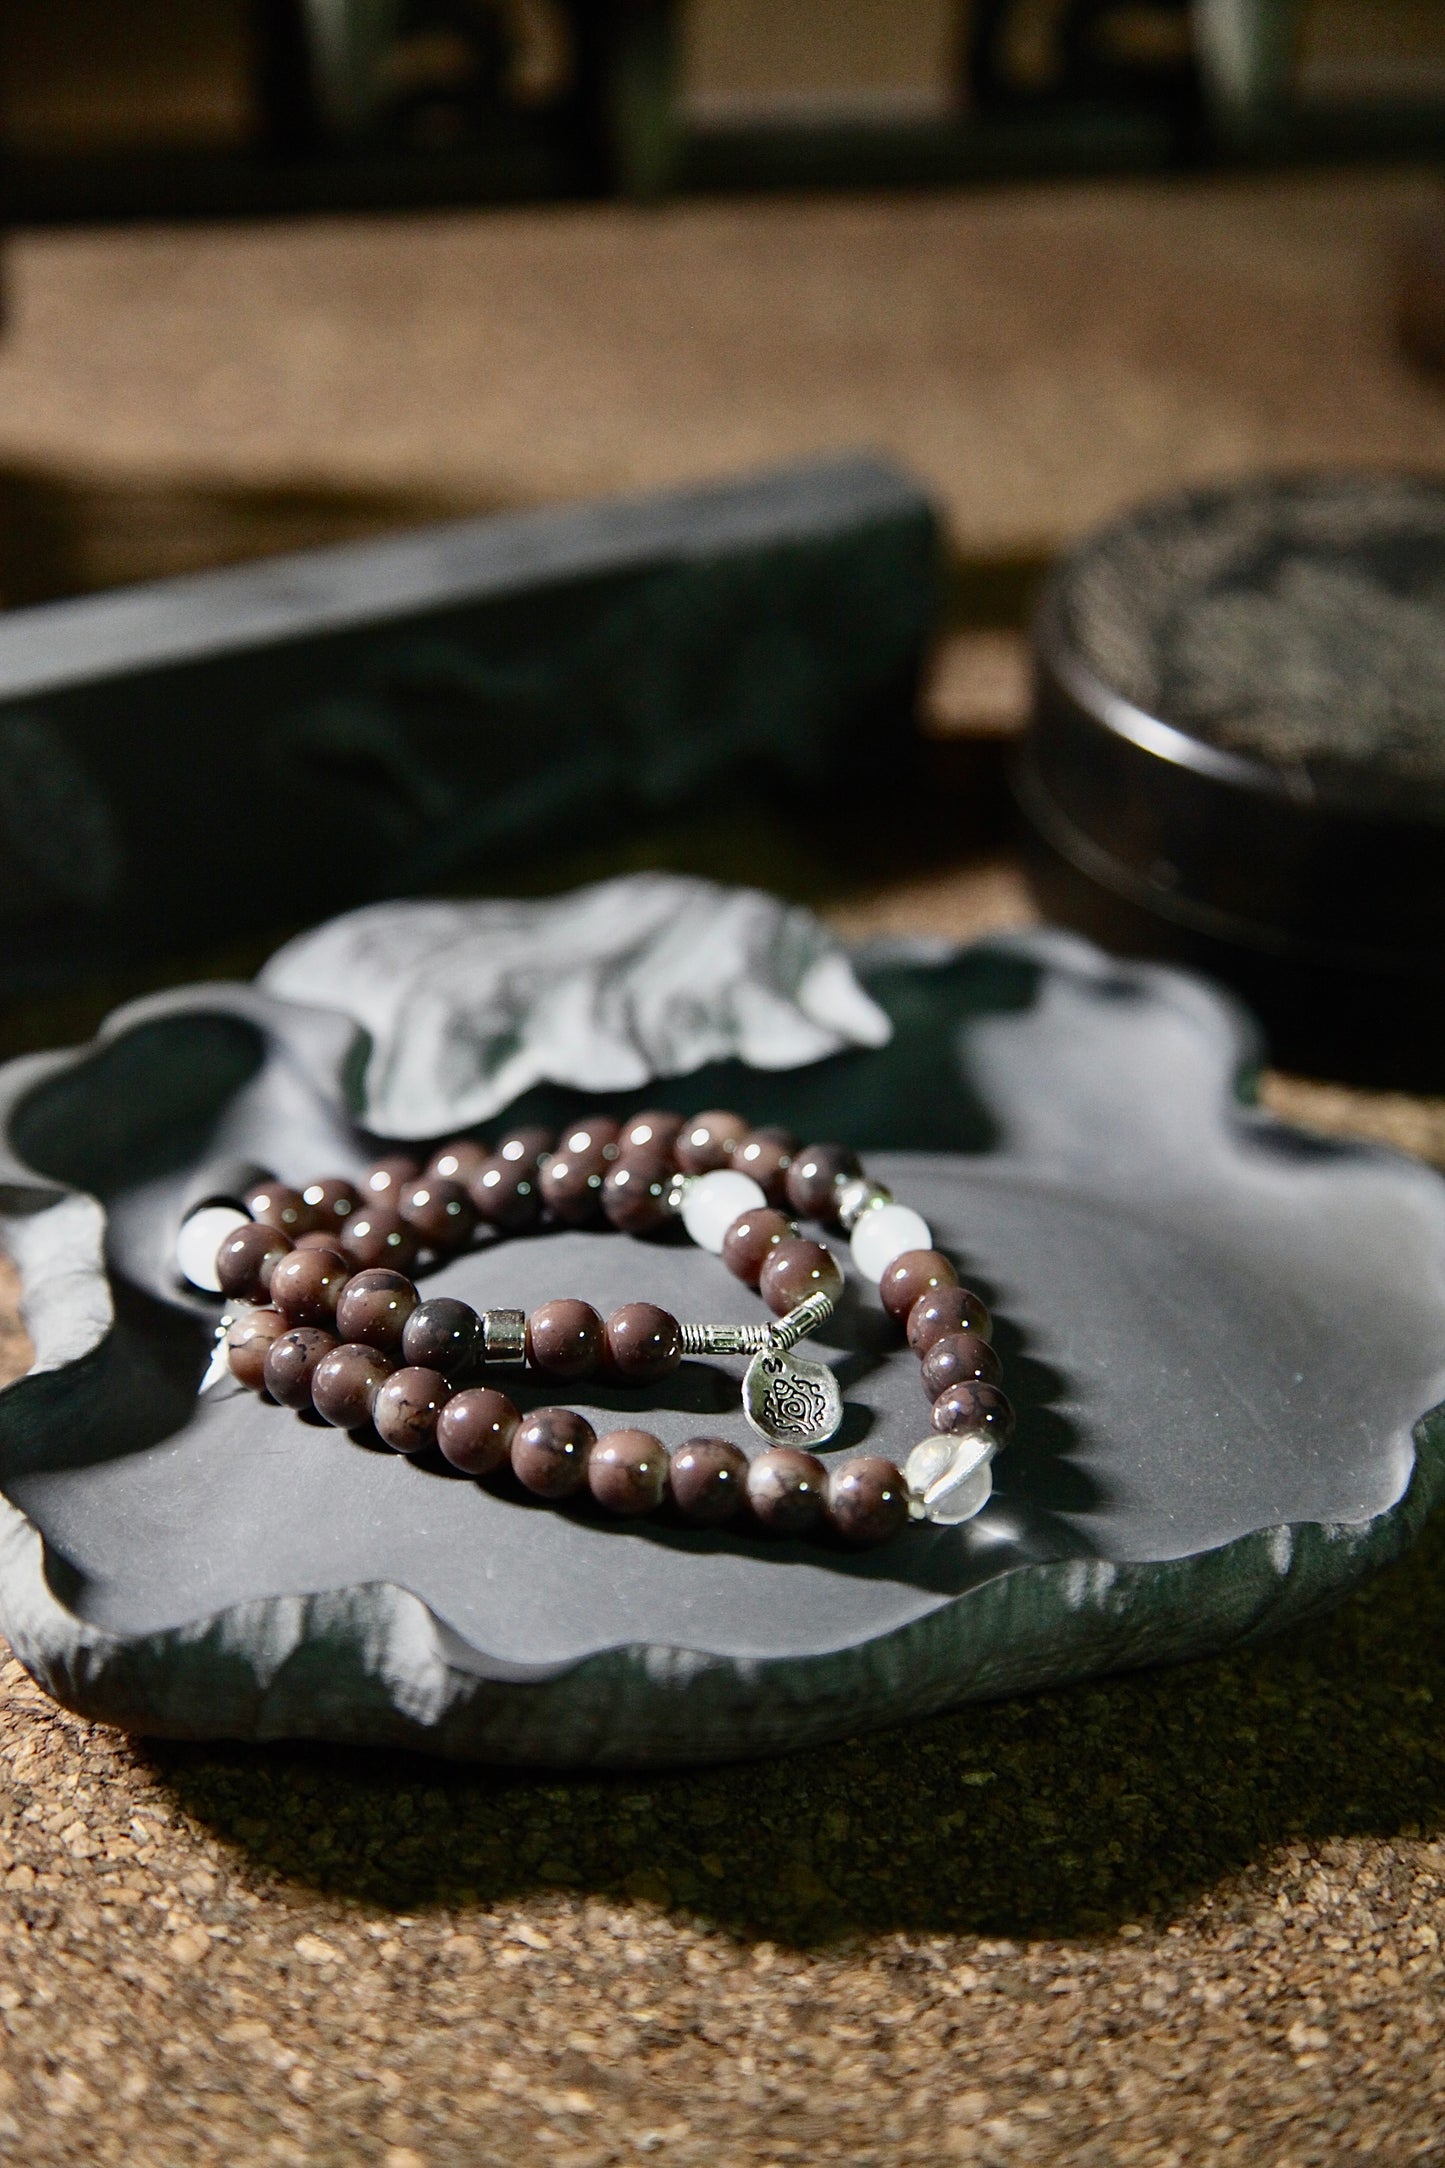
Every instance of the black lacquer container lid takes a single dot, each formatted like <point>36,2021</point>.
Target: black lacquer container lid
<point>1237,756</point>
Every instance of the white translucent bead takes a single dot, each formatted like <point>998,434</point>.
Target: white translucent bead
<point>885,1233</point>
<point>949,1478</point>
<point>200,1238</point>
<point>711,1202</point>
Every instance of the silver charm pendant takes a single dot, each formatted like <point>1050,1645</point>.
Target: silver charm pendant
<point>786,1399</point>
<point>790,1401</point>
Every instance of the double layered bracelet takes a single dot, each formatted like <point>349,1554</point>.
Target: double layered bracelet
<point>324,1316</point>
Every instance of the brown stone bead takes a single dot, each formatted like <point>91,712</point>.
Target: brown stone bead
<point>867,1500</point>
<point>654,1130</point>
<point>375,1307</point>
<point>594,1132</point>
<point>406,1409</point>
<point>706,1141</point>
<point>247,1340</point>
<point>246,1259</point>
<point>959,1358</point>
<point>643,1343</point>
<point>276,1205</point>
<point>634,1193</point>
<point>787,1490</point>
<point>709,1481</point>
<point>321,1239</point>
<point>385,1179</point>
<point>915,1273</point>
<point>444,1335</point>
<point>813,1178</point>
<point>942,1310</point>
<point>507,1195</point>
<point>751,1240</point>
<point>565,1338</point>
<point>522,1147</point>
<point>345,1383</point>
<point>767,1154</point>
<point>476,1428</point>
<point>375,1235</point>
<point>549,1452</point>
<point>627,1471</point>
<point>974,1409</point>
<point>460,1161</point>
<point>796,1268</point>
<point>439,1212</point>
<point>331,1201</point>
<point>306,1286</point>
<point>571,1184</point>
<point>290,1362</point>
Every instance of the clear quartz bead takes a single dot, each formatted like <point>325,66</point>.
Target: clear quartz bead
<point>199,1239</point>
<point>884,1233</point>
<point>949,1479</point>
<point>711,1202</point>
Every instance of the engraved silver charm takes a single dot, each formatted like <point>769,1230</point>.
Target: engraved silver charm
<point>787,1399</point>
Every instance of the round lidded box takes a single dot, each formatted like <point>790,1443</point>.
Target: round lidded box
<point>1237,755</point>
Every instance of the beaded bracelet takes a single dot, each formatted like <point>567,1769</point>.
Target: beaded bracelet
<point>337,1327</point>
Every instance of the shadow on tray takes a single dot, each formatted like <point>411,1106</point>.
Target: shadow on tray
<point>1061,1813</point>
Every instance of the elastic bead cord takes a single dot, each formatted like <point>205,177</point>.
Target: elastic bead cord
<point>335,1323</point>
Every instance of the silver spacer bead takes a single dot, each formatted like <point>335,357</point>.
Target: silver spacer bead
<point>857,1195</point>
<point>504,1336</point>
<point>723,1339</point>
<point>783,1333</point>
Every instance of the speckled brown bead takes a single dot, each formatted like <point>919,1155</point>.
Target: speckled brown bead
<point>654,1130</point>
<point>439,1212</point>
<point>307,1285</point>
<point>866,1500</point>
<point>385,1179</point>
<point>375,1235</point>
<point>627,1472</point>
<point>767,1154</point>
<point>943,1310</point>
<point>476,1428</point>
<point>813,1178</point>
<point>290,1361</point>
<point>634,1194</point>
<point>571,1185</point>
<point>642,1343</point>
<point>797,1268</point>
<point>374,1308</point>
<point>915,1273</point>
<point>959,1358</point>
<point>331,1201</point>
<point>507,1196</point>
<point>277,1205</point>
<point>246,1259</point>
<point>346,1382</point>
<point>787,1490</point>
<point>564,1338</point>
<point>443,1334</point>
<point>751,1240</point>
<point>522,1147</point>
<point>460,1161</point>
<point>709,1481</point>
<point>549,1452</point>
<point>974,1409</point>
<point>406,1409</point>
<point>247,1340</point>
<point>593,1132</point>
<point>706,1141</point>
